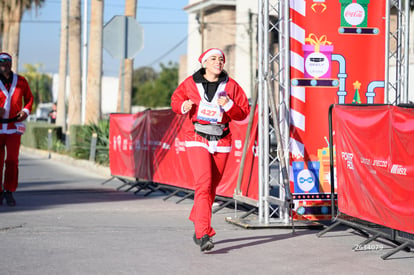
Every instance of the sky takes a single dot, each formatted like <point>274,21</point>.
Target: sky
<point>165,34</point>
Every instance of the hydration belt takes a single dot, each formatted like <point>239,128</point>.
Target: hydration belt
<point>212,132</point>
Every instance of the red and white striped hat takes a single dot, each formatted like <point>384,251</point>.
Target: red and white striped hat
<point>203,57</point>
<point>5,57</point>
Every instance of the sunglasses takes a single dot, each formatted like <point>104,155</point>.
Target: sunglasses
<point>3,60</point>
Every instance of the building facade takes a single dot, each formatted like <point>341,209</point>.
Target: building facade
<point>230,25</point>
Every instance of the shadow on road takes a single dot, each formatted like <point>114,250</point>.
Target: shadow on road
<point>28,200</point>
<point>257,240</point>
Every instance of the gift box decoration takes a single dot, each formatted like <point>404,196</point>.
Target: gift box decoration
<point>317,57</point>
<point>354,13</point>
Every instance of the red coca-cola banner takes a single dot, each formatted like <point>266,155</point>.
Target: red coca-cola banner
<point>150,146</point>
<point>375,164</point>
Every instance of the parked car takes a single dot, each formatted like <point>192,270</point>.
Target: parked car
<point>42,112</point>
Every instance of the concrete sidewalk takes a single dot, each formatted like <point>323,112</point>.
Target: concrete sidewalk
<point>66,222</point>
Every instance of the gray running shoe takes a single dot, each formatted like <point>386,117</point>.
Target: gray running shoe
<point>206,243</point>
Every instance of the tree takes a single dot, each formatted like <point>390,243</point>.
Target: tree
<point>39,83</point>
<point>93,96</point>
<point>63,59</point>
<point>12,13</point>
<point>2,21</point>
<point>139,77</point>
<point>74,108</point>
<point>5,25</point>
<point>142,75</point>
<point>130,10</point>
<point>155,92</point>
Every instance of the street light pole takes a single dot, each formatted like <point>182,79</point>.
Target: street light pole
<point>84,60</point>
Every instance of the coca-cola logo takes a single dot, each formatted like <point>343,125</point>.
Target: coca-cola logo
<point>359,14</point>
<point>354,14</point>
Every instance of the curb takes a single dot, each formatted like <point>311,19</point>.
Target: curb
<point>79,163</point>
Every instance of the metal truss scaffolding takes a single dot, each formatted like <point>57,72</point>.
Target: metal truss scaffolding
<point>273,124</point>
<point>274,198</point>
<point>397,51</point>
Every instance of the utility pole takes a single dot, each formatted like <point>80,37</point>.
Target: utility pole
<point>250,31</point>
<point>200,20</point>
<point>84,59</point>
<point>63,66</point>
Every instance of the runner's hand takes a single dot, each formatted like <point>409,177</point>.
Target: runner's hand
<point>21,116</point>
<point>188,104</point>
<point>223,100</point>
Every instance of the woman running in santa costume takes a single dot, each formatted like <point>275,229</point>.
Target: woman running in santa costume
<point>210,99</point>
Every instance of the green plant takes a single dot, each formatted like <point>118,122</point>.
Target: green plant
<point>57,144</point>
<point>83,138</point>
<point>37,132</point>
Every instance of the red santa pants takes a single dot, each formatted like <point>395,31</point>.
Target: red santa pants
<point>9,148</point>
<point>207,170</point>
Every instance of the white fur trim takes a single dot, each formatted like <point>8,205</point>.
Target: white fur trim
<point>211,147</point>
<point>182,109</point>
<point>228,105</point>
<point>210,53</point>
<point>8,131</point>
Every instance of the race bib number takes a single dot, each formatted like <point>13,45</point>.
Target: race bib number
<point>20,127</point>
<point>209,112</point>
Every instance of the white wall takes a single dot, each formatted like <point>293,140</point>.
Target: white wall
<point>193,44</point>
<point>243,70</point>
<point>242,65</point>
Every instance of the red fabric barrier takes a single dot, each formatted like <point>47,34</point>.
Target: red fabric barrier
<point>375,164</point>
<point>128,144</point>
<point>150,146</point>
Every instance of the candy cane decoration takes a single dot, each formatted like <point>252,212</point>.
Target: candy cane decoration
<point>298,94</point>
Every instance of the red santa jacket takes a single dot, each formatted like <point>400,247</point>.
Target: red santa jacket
<point>237,108</point>
<point>12,101</point>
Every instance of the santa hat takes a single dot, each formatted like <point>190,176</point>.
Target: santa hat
<point>203,57</point>
<point>5,57</point>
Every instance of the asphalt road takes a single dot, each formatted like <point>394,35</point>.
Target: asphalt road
<point>67,222</point>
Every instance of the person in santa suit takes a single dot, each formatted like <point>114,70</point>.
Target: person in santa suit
<point>210,99</point>
<point>14,89</point>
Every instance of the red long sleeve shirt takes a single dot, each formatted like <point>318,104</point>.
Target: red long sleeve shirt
<point>12,95</point>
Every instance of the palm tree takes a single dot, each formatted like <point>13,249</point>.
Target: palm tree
<point>130,10</point>
<point>2,19</point>
<point>63,59</point>
<point>40,83</point>
<point>93,96</point>
<point>5,24</point>
<point>12,13</point>
<point>74,111</point>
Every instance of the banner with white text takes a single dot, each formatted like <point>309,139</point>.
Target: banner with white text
<point>150,146</point>
<point>375,164</point>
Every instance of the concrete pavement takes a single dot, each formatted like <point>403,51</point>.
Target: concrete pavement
<point>66,222</point>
